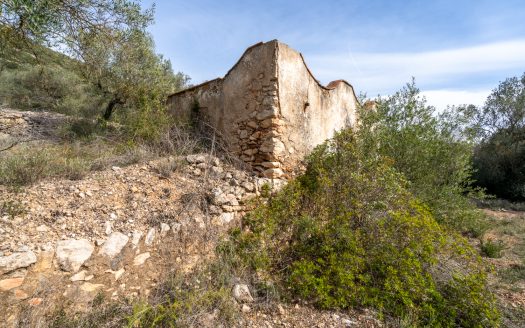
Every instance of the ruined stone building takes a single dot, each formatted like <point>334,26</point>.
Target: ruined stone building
<point>269,109</point>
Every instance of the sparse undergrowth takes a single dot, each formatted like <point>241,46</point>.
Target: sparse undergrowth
<point>88,146</point>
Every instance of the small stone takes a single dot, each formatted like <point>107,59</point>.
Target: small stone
<point>114,244</point>
<point>200,222</point>
<point>273,173</point>
<point>117,274</point>
<point>266,114</point>
<point>107,228</point>
<point>113,216</point>
<point>135,239</point>
<point>80,276</point>
<point>252,124</point>
<point>89,287</point>
<point>150,237</point>
<point>226,218</point>
<point>176,227</point>
<point>164,229</point>
<point>42,228</point>
<point>348,322</point>
<point>20,294</point>
<point>271,164</point>
<point>141,258</point>
<point>281,309</point>
<point>35,301</point>
<point>248,186</point>
<point>241,293</point>
<point>245,308</point>
<point>100,242</point>
<point>196,159</point>
<point>8,284</point>
<point>115,168</point>
<point>71,254</point>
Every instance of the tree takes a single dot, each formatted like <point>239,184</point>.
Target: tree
<point>429,148</point>
<point>499,158</point>
<point>127,71</point>
<point>108,40</point>
<point>62,23</point>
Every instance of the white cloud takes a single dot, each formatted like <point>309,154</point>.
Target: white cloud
<point>441,98</point>
<point>386,72</point>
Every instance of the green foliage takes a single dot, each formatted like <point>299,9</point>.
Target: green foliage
<point>48,87</point>
<point>128,72</point>
<point>499,159</point>
<point>492,248</point>
<point>432,150</point>
<point>500,164</point>
<point>348,233</point>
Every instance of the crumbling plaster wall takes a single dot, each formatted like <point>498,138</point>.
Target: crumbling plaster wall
<point>310,112</point>
<point>269,109</point>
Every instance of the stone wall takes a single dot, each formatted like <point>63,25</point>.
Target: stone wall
<point>269,109</point>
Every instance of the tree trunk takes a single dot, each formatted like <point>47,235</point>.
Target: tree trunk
<point>110,107</point>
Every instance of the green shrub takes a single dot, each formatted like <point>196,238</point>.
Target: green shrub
<point>491,248</point>
<point>348,233</point>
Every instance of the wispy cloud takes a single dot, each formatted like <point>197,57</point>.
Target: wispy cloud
<point>442,71</point>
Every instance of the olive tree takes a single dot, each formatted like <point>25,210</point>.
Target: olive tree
<point>499,158</point>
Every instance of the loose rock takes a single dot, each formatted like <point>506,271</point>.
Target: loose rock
<point>241,293</point>
<point>114,244</point>
<point>141,258</point>
<point>16,261</point>
<point>8,284</point>
<point>71,254</point>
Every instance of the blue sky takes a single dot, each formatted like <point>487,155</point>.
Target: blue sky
<point>457,50</point>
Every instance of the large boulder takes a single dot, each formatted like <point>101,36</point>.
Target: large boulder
<point>72,253</point>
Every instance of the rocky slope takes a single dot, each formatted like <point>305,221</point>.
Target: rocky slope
<point>118,231</point>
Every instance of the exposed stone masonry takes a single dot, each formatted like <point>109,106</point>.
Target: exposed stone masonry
<point>269,109</point>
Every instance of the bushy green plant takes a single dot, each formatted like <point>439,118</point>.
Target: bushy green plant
<point>432,150</point>
<point>492,248</point>
<point>348,233</point>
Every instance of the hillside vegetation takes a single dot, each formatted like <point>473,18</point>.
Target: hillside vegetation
<point>383,219</point>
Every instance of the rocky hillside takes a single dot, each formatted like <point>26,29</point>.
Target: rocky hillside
<point>118,233</point>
